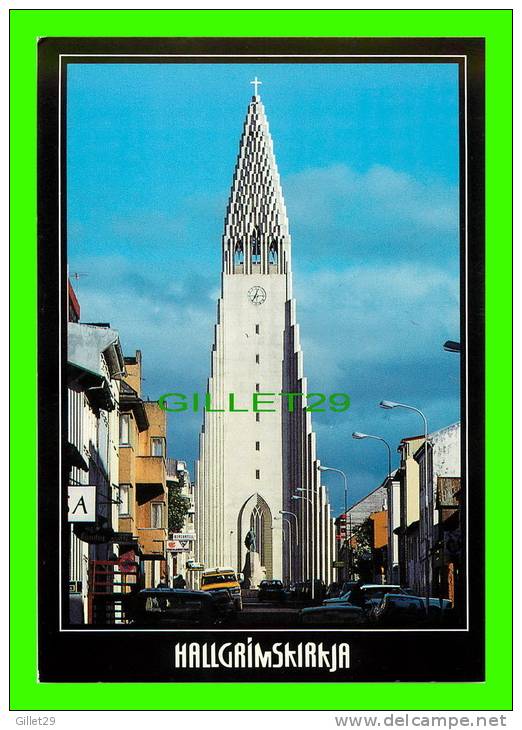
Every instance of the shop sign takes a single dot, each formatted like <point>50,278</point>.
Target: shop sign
<point>82,504</point>
<point>178,546</point>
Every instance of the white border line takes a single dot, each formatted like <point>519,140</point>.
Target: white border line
<point>258,56</point>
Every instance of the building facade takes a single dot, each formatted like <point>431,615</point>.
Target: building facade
<point>143,477</point>
<point>409,548</point>
<point>258,454</point>
<point>347,526</point>
<point>94,370</point>
<point>443,462</point>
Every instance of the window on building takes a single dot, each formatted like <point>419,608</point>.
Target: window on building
<point>125,429</point>
<point>257,445</point>
<point>124,506</point>
<point>272,253</point>
<point>257,329</point>
<point>257,474</point>
<point>255,246</point>
<point>257,358</point>
<point>156,447</point>
<point>238,253</point>
<point>156,515</point>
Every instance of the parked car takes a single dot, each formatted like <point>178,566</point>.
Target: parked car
<point>180,607</point>
<point>346,586</point>
<point>271,590</point>
<point>334,614</point>
<point>296,592</point>
<point>333,590</point>
<point>216,578</point>
<point>370,594</point>
<point>407,611</point>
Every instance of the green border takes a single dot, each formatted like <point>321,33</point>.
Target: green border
<point>495,26</point>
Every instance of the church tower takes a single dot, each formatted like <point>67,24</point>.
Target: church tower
<point>257,455</point>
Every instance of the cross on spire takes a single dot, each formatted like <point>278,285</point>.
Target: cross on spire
<point>256,83</point>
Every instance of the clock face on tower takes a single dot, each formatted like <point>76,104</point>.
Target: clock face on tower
<point>257,294</point>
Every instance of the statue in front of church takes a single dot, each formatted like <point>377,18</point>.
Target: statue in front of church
<point>250,541</point>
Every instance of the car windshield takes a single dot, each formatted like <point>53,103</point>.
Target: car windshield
<point>207,580</point>
<point>160,604</point>
<point>377,592</point>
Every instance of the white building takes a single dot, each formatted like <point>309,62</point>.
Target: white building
<point>444,460</point>
<point>252,463</point>
<point>94,367</point>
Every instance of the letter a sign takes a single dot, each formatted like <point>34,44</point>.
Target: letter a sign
<point>82,504</point>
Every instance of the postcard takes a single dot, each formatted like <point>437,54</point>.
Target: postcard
<point>261,370</point>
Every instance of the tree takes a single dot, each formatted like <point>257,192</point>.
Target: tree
<point>178,507</point>
<point>362,549</point>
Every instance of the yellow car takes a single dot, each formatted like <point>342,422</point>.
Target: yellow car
<point>219,578</point>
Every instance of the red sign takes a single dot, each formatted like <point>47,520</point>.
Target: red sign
<point>127,562</point>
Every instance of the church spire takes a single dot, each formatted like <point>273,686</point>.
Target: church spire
<point>256,238</point>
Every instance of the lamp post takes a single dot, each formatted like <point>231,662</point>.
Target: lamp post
<point>358,436</point>
<point>285,519</point>
<point>388,404</point>
<point>347,563</point>
<point>284,512</point>
<point>287,512</point>
<point>301,496</point>
<point>452,346</point>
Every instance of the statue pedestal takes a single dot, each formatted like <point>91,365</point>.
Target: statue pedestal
<point>253,571</point>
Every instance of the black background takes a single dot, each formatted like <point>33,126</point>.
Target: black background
<point>95,654</point>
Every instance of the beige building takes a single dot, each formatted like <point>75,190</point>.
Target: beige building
<point>142,479</point>
<point>407,533</point>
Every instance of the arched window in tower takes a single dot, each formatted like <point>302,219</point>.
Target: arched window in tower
<point>272,252</point>
<point>255,246</point>
<point>238,254</point>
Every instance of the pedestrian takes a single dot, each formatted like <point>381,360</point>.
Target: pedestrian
<point>356,594</point>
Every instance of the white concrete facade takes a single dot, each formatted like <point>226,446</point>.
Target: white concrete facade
<point>252,460</point>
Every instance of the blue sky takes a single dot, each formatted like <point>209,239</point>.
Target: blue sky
<point>368,157</point>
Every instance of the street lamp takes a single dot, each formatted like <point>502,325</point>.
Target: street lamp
<point>388,404</point>
<point>283,512</point>
<point>357,435</point>
<point>301,496</point>
<point>285,519</point>
<point>287,512</point>
<point>339,471</point>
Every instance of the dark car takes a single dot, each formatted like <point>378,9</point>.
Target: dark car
<point>179,607</point>
<point>407,611</point>
<point>370,594</point>
<point>271,590</point>
<point>334,614</point>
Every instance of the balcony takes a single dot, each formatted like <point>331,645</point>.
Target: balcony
<point>152,542</point>
<point>150,470</point>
